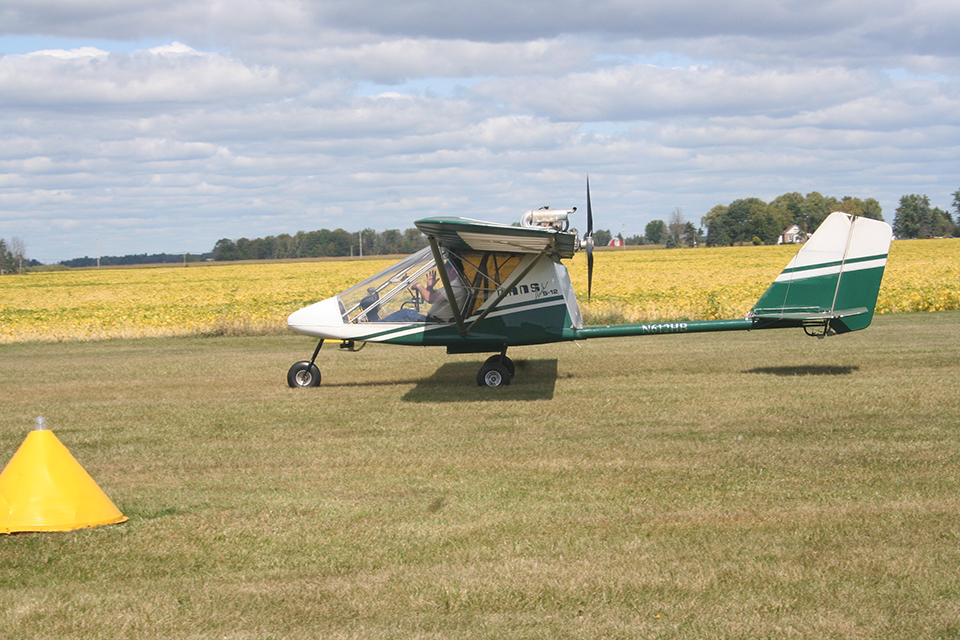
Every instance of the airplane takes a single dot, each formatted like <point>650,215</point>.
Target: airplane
<point>511,289</point>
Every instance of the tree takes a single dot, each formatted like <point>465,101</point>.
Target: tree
<point>13,256</point>
<point>675,228</point>
<point>816,208</point>
<point>602,237</point>
<point>655,231</point>
<point>749,217</point>
<point>942,226</point>
<point>6,261</point>
<point>791,207</point>
<point>717,235</point>
<point>766,222</point>
<point>18,253</point>
<point>915,218</point>
<point>956,208</point>
<point>413,240</point>
<point>868,208</point>
<point>392,241</point>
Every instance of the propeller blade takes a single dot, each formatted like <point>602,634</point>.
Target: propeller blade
<point>589,211</point>
<point>589,267</point>
<point>588,242</point>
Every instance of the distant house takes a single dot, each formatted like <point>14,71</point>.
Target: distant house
<point>616,241</point>
<point>793,235</point>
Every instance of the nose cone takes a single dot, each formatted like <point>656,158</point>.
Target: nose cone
<point>322,320</point>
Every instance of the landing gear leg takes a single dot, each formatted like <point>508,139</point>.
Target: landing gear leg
<point>496,371</point>
<point>305,373</point>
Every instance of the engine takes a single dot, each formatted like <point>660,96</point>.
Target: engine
<point>558,219</point>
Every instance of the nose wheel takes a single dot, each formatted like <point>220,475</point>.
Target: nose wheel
<point>305,373</point>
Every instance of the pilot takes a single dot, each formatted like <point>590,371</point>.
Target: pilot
<point>434,294</point>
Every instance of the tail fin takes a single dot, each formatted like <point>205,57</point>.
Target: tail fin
<point>834,279</point>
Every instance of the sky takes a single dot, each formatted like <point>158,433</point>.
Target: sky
<point>162,126</point>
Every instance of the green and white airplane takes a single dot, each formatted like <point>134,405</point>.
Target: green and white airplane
<point>511,289</point>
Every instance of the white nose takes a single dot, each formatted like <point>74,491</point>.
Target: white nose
<point>318,319</point>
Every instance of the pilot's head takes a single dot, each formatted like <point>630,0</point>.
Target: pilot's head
<point>452,269</point>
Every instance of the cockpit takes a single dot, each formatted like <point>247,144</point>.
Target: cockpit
<point>396,294</point>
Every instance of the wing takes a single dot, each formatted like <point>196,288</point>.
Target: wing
<point>466,234</point>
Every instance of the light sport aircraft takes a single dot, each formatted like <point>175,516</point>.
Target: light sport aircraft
<point>511,289</point>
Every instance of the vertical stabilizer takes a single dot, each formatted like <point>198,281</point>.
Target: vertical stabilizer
<point>834,279</point>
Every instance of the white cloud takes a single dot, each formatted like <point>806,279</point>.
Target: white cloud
<point>245,118</point>
<point>163,75</point>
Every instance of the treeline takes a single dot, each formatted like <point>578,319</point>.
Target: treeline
<point>319,244</point>
<point>751,220</point>
<point>138,258</point>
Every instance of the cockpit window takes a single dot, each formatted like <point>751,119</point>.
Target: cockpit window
<point>387,292</point>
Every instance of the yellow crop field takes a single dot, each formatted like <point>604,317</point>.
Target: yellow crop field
<point>716,283</point>
<point>629,285</point>
<point>164,301</point>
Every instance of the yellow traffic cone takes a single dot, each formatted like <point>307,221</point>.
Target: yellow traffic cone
<point>4,516</point>
<point>46,489</point>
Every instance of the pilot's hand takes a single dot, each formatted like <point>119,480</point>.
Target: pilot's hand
<point>432,279</point>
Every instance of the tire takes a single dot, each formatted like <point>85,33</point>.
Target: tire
<point>493,374</point>
<point>303,374</point>
<point>507,362</point>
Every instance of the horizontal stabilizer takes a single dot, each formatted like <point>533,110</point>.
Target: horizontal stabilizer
<point>775,314</point>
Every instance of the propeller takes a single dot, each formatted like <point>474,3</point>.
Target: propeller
<point>588,242</point>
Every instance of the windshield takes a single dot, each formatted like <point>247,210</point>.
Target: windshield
<point>389,291</point>
<point>411,291</point>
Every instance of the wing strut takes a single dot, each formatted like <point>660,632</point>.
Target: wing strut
<point>447,287</point>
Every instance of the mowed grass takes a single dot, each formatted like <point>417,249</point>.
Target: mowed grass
<point>744,485</point>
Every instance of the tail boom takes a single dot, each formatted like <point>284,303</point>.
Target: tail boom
<point>830,286</point>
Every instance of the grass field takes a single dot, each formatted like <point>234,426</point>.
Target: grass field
<point>743,485</point>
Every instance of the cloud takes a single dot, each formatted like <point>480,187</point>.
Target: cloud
<point>396,60</point>
<point>645,92</point>
<point>173,74</point>
<point>245,118</point>
<point>506,20</point>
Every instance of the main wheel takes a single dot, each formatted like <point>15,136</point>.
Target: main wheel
<point>303,374</point>
<point>493,374</point>
<point>507,362</point>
